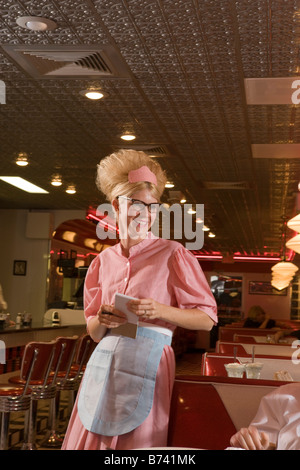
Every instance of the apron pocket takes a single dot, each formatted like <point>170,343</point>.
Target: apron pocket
<point>94,380</point>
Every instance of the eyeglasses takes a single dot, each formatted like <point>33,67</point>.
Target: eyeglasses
<point>139,206</point>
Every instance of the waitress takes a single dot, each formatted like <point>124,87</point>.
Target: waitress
<point>125,395</point>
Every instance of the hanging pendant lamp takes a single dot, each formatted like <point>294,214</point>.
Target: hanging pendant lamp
<point>282,277</point>
<point>294,223</point>
<point>294,244</point>
<point>285,267</point>
<point>284,271</point>
<point>280,285</point>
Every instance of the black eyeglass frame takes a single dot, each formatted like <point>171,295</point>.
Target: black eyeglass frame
<point>153,205</point>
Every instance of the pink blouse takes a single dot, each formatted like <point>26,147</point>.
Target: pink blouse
<point>156,268</point>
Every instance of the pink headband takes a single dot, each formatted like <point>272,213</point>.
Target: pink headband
<point>142,174</point>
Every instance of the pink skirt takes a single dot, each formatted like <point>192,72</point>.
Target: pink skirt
<point>153,432</point>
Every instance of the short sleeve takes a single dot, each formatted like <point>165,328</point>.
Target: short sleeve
<point>190,285</point>
<point>92,290</point>
<point>267,416</point>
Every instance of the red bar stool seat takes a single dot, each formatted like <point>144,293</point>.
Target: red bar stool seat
<point>17,380</point>
<point>11,391</point>
<point>36,364</point>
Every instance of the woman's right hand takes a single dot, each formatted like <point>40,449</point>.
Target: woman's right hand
<point>110,317</point>
<point>250,439</point>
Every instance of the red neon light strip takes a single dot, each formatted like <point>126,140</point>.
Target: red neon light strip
<point>104,224</point>
<point>208,257</point>
<point>256,258</point>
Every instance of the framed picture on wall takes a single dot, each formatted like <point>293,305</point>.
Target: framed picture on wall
<point>264,288</point>
<point>20,267</point>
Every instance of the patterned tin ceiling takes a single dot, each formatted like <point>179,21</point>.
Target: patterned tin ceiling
<point>173,73</point>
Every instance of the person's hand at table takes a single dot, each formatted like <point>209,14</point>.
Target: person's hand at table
<point>251,439</point>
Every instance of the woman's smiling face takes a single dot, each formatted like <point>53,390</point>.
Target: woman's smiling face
<point>135,219</point>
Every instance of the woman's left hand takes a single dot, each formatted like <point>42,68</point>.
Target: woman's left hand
<point>149,309</point>
<point>145,308</point>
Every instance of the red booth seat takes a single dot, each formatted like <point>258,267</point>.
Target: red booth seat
<point>213,364</point>
<point>207,411</point>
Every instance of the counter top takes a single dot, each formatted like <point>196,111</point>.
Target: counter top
<point>33,327</point>
<point>13,336</point>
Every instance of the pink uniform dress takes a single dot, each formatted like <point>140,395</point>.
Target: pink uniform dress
<point>165,271</point>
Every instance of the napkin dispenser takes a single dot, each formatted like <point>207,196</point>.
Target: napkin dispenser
<point>55,318</point>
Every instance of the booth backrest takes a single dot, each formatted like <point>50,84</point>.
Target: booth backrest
<point>228,348</point>
<point>227,334</point>
<point>245,349</point>
<point>206,412</point>
<point>247,339</point>
<point>213,364</point>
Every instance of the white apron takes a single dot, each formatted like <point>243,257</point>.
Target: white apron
<point>118,385</point>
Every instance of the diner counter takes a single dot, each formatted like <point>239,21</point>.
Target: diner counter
<point>18,335</point>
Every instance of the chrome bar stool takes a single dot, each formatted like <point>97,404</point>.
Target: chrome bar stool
<point>44,391</point>
<point>36,365</point>
<point>69,380</point>
<point>62,368</point>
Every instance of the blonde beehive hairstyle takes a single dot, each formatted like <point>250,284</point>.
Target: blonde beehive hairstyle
<point>112,174</point>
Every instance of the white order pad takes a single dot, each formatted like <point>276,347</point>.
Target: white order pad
<point>129,329</point>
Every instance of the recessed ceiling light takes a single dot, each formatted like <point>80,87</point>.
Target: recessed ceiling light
<point>22,159</point>
<point>92,94</point>
<point>71,189</point>
<point>169,184</point>
<point>205,228</point>
<point>211,235</point>
<point>56,180</point>
<point>23,184</point>
<point>128,137</point>
<point>191,211</point>
<point>36,23</point>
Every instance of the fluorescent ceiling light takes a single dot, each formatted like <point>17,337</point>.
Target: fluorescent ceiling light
<point>275,90</point>
<point>282,151</point>
<point>23,184</point>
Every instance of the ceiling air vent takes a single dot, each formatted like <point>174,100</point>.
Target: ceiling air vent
<point>69,61</point>
<point>152,150</point>
<point>226,185</point>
